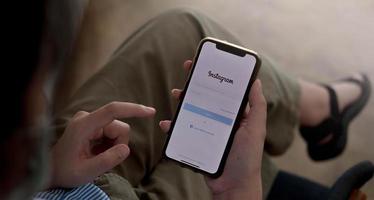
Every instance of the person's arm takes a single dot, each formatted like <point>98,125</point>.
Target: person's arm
<point>93,143</point>
<point>250,191</point>
<point>241,178</point>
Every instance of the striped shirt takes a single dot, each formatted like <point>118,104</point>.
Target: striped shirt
<point>88,191</point>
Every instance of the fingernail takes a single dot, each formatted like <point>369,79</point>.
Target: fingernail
<point>150,109</point>
<point>173,91</point>
<point>259,83</point>
<point>124,151</point>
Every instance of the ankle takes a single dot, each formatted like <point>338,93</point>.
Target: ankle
<point>314,104</point>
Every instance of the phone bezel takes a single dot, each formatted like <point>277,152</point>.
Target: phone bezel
<point>238,117</point>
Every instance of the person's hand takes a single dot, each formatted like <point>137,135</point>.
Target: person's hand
<point>241,178</point>
<point>93,143</point>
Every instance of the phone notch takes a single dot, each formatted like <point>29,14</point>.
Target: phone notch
<point>231,49</point>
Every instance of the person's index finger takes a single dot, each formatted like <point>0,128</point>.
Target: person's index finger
<point>116,110</point>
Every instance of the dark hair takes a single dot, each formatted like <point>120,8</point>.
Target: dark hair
<point>23,29</point>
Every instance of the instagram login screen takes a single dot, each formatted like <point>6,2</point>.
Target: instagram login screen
<point>208,111</point>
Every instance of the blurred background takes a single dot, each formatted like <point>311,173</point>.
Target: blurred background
<point>316,40</point>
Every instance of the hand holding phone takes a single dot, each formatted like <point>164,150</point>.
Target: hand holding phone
<point>241,178</point>
<point>212,104</point>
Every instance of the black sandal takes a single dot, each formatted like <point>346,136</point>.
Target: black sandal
<point>336,125</point>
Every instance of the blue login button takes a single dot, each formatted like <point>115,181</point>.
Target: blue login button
<point>207,113</point>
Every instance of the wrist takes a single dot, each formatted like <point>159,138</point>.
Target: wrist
<point>251,188</point>
<point>234,194</point>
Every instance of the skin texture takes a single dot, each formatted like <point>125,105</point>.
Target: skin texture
<point>241,178</point>
<point>93,143</point>
<point>96,142</point>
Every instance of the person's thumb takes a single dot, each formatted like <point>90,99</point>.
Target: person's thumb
<point>107,160</point>
<point>257,104</point>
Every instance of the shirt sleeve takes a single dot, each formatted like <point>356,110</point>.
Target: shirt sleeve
<point>88,191</point>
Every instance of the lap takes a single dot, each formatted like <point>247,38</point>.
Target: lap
<point>144,70</point>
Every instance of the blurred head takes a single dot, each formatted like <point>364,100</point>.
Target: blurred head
<point>38,38</point>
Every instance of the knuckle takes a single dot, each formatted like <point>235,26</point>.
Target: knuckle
<point>74,123</point>
<point>80,114</point>
<point>111,107</point>
<point>77,118</point>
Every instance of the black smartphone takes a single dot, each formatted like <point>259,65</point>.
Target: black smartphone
<point>211,106</point>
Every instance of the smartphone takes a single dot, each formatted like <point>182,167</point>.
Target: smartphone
<point>211,106</point>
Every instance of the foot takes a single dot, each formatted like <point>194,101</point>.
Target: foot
<point>347,93</point>
<point>315,105</point>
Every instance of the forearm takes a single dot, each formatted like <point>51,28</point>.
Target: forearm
<point>252,191</point>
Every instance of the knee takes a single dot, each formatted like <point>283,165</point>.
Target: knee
<point>182,13</point>
<point>186,17</point>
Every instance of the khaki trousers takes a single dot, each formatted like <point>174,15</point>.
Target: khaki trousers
<point>143,70</point>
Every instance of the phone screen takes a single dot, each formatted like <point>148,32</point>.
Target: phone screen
<point>210,107</point>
